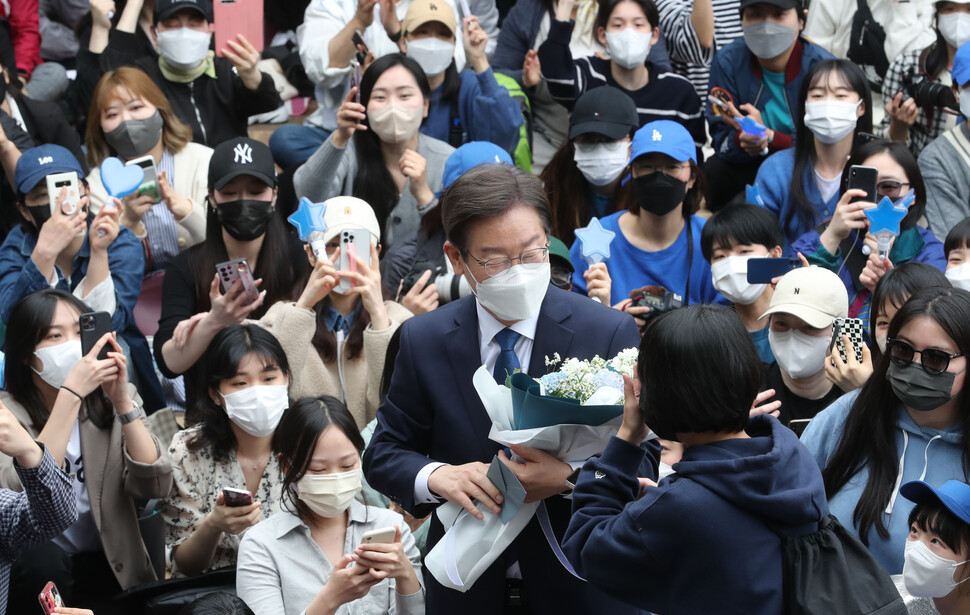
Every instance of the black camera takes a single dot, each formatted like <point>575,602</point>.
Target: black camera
<point>659,303</point>
<point>929,94</point>
<point>450,286</point>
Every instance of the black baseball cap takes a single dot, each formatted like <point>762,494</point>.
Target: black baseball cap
<point>782,4</point>
<point>166,8</point>
<point>241,156</point>
<point>606,111</point>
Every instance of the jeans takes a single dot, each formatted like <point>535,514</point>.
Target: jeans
<point>292,144</point>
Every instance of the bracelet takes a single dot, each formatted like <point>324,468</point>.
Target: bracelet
<point>73,392</point>
<point>423,208</point>
<point>396,36</point>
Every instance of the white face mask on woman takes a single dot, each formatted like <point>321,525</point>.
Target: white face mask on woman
<point>58,361</point>
<point>926,574</point>
<point>959,276</point>
<point>955,28</point>
<point>798,354</point>
<point>831,120</point>
<point>183,48</point>
<point>629,48</point>
<point>601,164</point>
<point>258,409</point>
<point>329,495</point>
<point>395,123</point>
<point>432,54</point>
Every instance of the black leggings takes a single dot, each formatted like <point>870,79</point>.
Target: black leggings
<point>84,580</point>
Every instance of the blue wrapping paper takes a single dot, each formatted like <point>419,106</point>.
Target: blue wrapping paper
<point>531,410</point>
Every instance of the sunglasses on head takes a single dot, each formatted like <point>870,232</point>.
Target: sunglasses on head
<point>933,360</point>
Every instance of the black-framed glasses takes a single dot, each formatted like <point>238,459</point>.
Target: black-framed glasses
<point>891,188</point>
<point>497,266</point>
<point>933,360</point>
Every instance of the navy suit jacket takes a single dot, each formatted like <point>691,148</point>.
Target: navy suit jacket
<point>432,413</point>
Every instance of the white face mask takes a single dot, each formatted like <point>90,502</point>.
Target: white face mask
<point>395,123</point>
<point>926,574</point>
<point>602,165</point>
<point>329,495</point>
<point>955,28</point>
<point>58,361</point>
<point>664,471</point>
<point>629,48</point>
<point>258,409</point>
<point>183,48</point>
<point>516,294</point>
<point>881,343</point>
<point>731,280</point>
<point>432,54</point>
<point>797,354</point>
<point>959,276</point>
<point>831,120</point>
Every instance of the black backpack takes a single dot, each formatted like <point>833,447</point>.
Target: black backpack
<point>867,45</point>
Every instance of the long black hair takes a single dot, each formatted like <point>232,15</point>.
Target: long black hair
<point>803,210</point>
<point>29,322</point>
<point>373,182</point>
<point>869,437</point>
<point>221,361</point>
<point>296,438</point>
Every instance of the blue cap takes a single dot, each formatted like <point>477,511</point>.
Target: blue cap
<point>954,494</point>
<point>469,156</point>
<point>37,163</point>
<point>664,137</point>
<point>961,65</point>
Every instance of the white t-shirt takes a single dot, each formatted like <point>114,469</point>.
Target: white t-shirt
<point>827,187</point>
<point>82,536</point>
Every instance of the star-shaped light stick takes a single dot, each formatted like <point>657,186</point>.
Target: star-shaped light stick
<point>752,127</point>
<point>594,243</point>
<point>752,196</point>
<point>308,218</point>
<point>884,221</point>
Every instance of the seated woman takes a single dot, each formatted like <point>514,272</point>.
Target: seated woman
<point>336,339</point>
<point>657,240</point>
<point>242,223</point>
<point>246,375</point>
<point>702,516</point>
<point>91,421</point>
<point>844,242</point>
<point>583,178</point>
<point>377,153</point>
<point>800,185</point>
<point>310,557</point>
<point>130,118</point>
<point>907,422</point>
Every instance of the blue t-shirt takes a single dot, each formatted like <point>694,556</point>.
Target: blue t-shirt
<point>776,114</point>
<point>760,339</point>
<point>630,267</point>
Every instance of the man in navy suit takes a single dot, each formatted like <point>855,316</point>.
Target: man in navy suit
<point>431,442</point>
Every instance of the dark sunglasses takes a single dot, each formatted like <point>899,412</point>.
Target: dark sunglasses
<point>933,360</point>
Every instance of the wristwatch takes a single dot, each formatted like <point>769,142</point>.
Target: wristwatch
<point>136,413</point>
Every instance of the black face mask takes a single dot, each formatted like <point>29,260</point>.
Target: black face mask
<point>40,213</point>
<point>245,219</point>
<point>918,389</point>
<point>658,193</point>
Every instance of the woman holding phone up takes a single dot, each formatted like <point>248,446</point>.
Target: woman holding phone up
<point>242,223</point>
<point>91,420</point>
<point>313,557</point>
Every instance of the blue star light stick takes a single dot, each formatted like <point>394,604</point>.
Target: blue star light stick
<point>594,243</point>
<point>752,127</point>
<point>884,221</point>
<point>752,195</point>
<point>308,218</point>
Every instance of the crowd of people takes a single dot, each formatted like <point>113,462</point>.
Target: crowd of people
<point>249,383</point>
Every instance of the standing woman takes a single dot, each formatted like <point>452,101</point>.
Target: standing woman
<point>91,420</point>
<point>910,421</point>
<point>242,222</point>
<point>377,153</point>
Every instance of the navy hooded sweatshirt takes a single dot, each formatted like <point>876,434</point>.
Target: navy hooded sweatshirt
<point>696,543</point>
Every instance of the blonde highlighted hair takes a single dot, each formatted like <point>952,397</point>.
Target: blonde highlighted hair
<point>175,133</point>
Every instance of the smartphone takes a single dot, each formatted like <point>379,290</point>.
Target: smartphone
<point>233,17</point>
<point>355,78</point>
<point>764,270</point>
<point>236,497</point>
<point>855,329</point>
<point>50,598</point>
<point>354,246</point>
<point>382,535</point>
<point>93,327</point>
<point>58,181</point>
<point>798,426</point>
<point>864,178</point>
<point>238,269</point>
<point>360,47</point>
<point>149,185</point>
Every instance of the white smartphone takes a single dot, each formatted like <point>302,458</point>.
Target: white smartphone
<point>59,181</point>
<point>149,185</point>
<point>354,247</point>
<point>382,535</point>
<point>238,269</point>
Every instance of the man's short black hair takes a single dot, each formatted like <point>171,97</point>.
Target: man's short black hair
<point>699,372</point>
<point>741,224</point>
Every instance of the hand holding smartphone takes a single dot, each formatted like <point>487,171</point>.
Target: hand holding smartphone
<point>50,598</point>
<point>94,326</point>
<point>236,497</point>
<point>865,179</point>
<point>238,269</point>
<point>382,535</point>
<point>855,329</point>
<point>354,245</point>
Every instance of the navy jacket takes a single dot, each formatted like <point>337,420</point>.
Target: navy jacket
<point>432,413</point>
<point>697,542</point>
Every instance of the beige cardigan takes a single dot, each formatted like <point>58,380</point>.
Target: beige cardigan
<point>113,479</point>
<point>294,328</point>
<point>191,169</point>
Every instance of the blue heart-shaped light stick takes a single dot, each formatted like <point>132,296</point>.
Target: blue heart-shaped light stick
<point>884,221</point>
<point>752,196</point>
<point>309,218</point>
<point>120,180</point>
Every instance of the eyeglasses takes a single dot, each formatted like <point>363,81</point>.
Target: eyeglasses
<point>890,188</point>
<point>933,360</point>
<point>530,259</point>
<point>592,144</point>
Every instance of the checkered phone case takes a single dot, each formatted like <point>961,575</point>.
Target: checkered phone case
<point>855,329</point>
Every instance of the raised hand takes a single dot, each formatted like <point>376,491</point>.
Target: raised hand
<point>531,69</point>
<point>323,277</point>
<point>244,58</point>
<point>176,203</point>
<point>349,117</point>
<point>414,166</point>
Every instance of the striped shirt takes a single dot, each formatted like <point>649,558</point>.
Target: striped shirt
<point>160,223</point>
<point>687,56</point>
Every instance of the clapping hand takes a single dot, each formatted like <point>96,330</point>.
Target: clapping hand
<point>244,58</point>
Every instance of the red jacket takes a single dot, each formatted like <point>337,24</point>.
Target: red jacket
<point>24,18</point>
